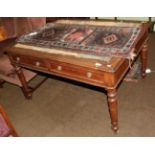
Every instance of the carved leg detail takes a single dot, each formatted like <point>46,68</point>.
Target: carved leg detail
<point>112,103</point>
<point>26,90</point>
<point>144,54</point>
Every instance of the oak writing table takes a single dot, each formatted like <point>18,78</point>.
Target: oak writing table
<point>93,52</point>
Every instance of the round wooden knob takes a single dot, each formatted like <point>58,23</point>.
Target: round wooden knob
<point>37,63</point>
<point>59,68</point>
<point>89,74</point>
<point>18,59</point>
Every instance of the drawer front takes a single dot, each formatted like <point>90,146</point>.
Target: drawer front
<point>30,61</point>
<point>76,72</point>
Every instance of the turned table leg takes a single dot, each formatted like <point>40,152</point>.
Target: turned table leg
<point>144,55</point>
<point>25,88</point>
<point>112,103</point>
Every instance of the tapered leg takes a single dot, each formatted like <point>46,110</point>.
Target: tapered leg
<point>27,94</point>
<point>26,89</point>
<point>143,55</point>
<point>112,103</point>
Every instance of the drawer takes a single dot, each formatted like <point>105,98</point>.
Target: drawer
<point>30,61</point>
<point>62,69</point>
<point>76,72</point>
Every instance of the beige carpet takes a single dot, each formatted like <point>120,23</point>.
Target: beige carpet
<point>61,108</point>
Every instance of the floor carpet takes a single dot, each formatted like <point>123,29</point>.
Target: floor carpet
<point>64,108</point>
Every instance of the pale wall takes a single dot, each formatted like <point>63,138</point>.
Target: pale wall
<point>129,18</point>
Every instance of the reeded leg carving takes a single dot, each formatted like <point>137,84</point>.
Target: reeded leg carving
<point>112,103</point>
<point>144,54</point>
<point>25,88</point>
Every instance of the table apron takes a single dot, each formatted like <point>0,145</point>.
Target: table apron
<point>91,76</point>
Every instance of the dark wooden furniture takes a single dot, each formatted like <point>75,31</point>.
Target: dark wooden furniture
<point>107,75</point>
<point>8,73</point>
<point>10,29</point>
<point>6,127</point>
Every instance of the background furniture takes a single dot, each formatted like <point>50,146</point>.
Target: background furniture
<point>6,127</point>
<point>8,73</point>
<point>11,28</point>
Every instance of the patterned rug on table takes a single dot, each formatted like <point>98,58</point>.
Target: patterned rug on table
<point>99,41</point>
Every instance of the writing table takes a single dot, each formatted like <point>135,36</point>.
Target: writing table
<point>93,52</point>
